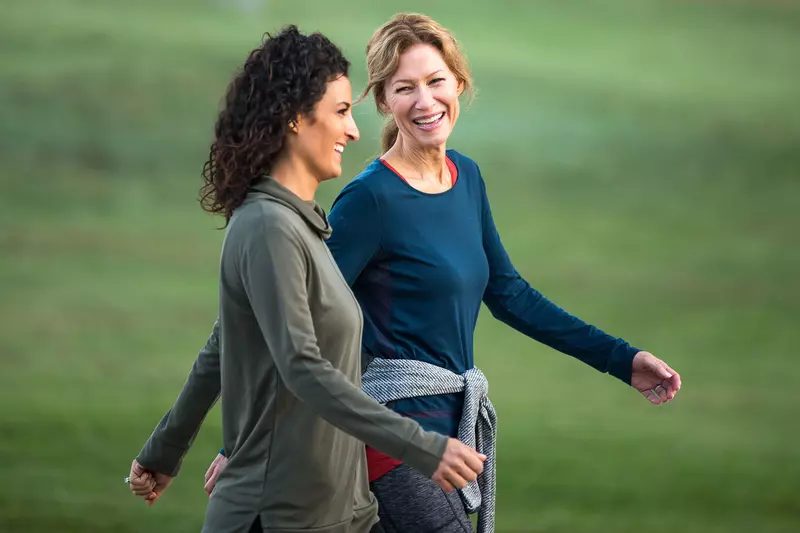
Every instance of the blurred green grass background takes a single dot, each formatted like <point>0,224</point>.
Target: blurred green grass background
<point>643,163</point>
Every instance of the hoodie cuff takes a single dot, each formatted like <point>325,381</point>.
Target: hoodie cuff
<point>162,457</point>
<point>426,452</point>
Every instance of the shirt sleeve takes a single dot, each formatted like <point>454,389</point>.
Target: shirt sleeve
<point>513,301</point>
<point>357,229</point>
<point>175,433</point>
<point>274,273</point>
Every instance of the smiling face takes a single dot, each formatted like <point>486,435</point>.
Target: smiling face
<point>322,136</point>
<point>422,97</point>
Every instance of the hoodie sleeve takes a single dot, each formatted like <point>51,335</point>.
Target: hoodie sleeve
<point>174,434</point>
<point>274,272</point>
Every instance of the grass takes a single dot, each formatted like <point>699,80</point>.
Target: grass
<point>643,164</point>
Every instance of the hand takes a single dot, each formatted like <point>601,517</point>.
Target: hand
<point>654,378</point>
<point>219,462</point>
<point>148,484</point>
<point>141,481</point>
<point>460,465</point>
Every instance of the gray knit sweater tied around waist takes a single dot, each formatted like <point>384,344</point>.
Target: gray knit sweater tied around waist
<point>388,380</point>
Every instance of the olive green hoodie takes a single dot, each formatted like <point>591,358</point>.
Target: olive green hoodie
<point>286,351</point>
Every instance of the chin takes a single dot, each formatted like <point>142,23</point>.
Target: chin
<point>434,142</point>
<point>333,174</point>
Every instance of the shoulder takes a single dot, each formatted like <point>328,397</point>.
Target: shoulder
<point>470,173</point>
<point>367,186</point>
<point>262,213</point>
<point>463,163</point>
<point>259,218</point>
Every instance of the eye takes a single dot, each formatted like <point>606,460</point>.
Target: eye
<point>403,89</point>
<point>344,111</point>
<point>435,81</point>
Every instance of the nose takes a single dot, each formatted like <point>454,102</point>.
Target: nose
<point>425,99</point>
<point>351,130</point>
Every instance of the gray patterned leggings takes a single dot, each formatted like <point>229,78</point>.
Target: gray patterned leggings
<point>408,502</point>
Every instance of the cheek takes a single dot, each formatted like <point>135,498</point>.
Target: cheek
<point>452,96</point>
<point>331,132</point>
<point>399,107</point>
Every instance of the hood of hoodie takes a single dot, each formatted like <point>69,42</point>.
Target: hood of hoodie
<point>310,212</point>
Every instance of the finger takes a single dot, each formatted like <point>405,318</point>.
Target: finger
<point>661,392</point>
<point>139,485</point>
<point>210,470</point>
<point>676,381</point>
<point>144,477</point>
<point>467,474</point>
<point>456,480</point>
<point>474,465</point>
<point>662,370</point>
<point>478,454</point>
<point>142,490</point>
<point>652,397</point>
<point>445,485</point>
<point>209,486</point>
<point>671,390</point>
<point>142,482</point>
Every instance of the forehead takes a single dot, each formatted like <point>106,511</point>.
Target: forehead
<point>419,61</point>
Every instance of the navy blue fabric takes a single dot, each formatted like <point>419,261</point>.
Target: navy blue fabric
<point>421,264</point>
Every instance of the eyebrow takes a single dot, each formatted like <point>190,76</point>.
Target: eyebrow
<point>347,105</point>
<point>412,81</point>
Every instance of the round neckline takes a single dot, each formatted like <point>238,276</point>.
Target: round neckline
<point>397,175</point>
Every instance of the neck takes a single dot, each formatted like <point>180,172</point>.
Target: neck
<point>295,176</point>
<point>427,162</point>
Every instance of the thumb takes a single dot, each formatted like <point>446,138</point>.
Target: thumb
<point>663,372</point>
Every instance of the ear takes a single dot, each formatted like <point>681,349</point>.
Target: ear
<point>294,124</point>
<point>383,107</point>
<point>460,87</point>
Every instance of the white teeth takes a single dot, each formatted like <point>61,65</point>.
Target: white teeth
<point>339,148</point>
<point>430,120</point>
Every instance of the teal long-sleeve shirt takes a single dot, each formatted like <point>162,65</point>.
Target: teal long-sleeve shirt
<point>421,264</point>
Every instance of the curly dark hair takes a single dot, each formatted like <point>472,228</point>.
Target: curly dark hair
<point>284,77</point>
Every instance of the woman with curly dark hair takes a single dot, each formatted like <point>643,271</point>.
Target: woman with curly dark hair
<point>286,349</point>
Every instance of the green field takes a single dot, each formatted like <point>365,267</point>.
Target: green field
<point>643,163</point>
